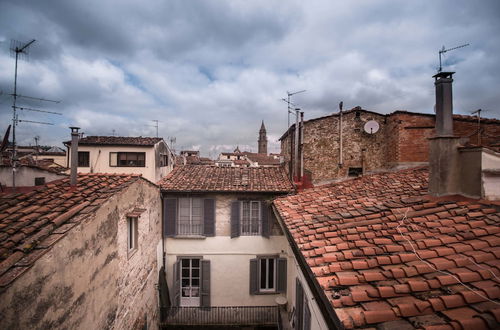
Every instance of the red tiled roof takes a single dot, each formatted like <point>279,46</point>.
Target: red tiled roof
<point>193,178</point>
<point>384,252</point>
<point>42,164</point>
<point>118,140</point>
<point>262,159</point>
<point>30,223</point>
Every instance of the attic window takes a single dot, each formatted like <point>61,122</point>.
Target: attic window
<point>355,171</point>
<point>357,114</point>
<point>39,181</point>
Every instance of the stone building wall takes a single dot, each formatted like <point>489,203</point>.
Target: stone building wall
<point>87,280</point>
<point>401,141</point>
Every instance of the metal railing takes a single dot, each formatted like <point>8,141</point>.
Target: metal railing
<point>227,315</point>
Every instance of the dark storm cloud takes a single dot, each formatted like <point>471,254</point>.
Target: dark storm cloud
<point>210,71</point>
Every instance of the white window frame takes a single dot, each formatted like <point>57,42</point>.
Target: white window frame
<point>249,222</point>
<point>267,287</point>
<point>191,222</point>
<point>132,234</point>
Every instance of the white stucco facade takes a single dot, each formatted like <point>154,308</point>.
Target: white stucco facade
<point>99,160</point>
<point>229,257</point>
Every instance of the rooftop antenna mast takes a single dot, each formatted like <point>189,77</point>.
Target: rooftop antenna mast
<point>21,50</point>
<point>443,50</point>
<point>287,100</point>
<point>156,121</point>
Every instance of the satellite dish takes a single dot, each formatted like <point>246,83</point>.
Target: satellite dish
<point>371,127</point>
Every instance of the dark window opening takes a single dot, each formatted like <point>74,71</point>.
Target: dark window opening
<point>127,159</point>
<point>355,171</point>
<point>83,159</point>
<point>39,181</point>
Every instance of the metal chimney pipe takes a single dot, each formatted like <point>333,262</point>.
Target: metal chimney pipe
<point>444,103</point>
<point>74,155</point>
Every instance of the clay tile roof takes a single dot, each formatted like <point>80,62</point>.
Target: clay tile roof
<point>118,140</point>
<point>379,245</point>
<point>41,164</point>
<point>262,159</point>
<point>30,223</point>
<point>202,178</point>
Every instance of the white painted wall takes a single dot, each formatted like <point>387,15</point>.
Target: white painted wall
<point>25,176</point>
<point>229,258</point>
<point>490,163</point>
<point>99,161</point>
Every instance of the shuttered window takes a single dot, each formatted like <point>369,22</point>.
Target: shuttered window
<point>267,275</point>
<point>302,311</point>
<point>189,216</point>
<point>250,218</point>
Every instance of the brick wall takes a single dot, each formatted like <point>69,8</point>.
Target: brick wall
<point>401,141</point>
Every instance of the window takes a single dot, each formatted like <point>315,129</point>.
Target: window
<point>355,171</point>
<point>39,181</point>
<point>163,160</point>
<point>250,218</point>
<point>267,275</point>
<point>267,272</point>
<point>83,159</point>
<point>127,159</point>
<point>131,234</point>
<point>302,318</point>
<point>190,216</point>
<point>191,282</point>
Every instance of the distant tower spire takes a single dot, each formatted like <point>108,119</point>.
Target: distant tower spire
<point>262,139</point>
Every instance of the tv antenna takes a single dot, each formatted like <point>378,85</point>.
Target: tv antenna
<point>478,112</point>
<point>443,50</point>
<point>172,140</point>
<point>287,100</point>
<point>156,121</point>
<point>20,50</point>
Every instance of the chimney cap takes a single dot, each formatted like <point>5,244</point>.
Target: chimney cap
<point>444,74</point>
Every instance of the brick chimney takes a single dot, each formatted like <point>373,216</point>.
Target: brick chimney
<point>74,155</point>
<point>444,175</point>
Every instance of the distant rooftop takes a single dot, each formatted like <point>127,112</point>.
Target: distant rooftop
<point>201,178</point>
<point>118,140</point>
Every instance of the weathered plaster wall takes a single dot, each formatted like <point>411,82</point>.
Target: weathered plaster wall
<point>25,176</point>
<point>229,257</point>
<point>87,280</point>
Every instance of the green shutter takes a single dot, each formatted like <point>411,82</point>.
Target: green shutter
<point>281,287</point>
<point>177,284</point>
<point>266,228</point>
<point>205,283</point>
<point>169,216</point>
<point>209,217</point>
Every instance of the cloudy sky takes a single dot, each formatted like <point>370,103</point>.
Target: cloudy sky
<point>210,71</point>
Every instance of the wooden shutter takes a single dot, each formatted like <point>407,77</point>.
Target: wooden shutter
<point>281,288</point>
<point>307,317</point>
<point>254,276</point>
<point>299,304</point>
<point>209,217</point>
<point>205,283</point>
<point>170,216</point>
<point>176,290</point>
<point>235,219</point>
<point>264,216</point>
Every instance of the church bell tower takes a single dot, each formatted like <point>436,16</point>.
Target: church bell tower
<point>262,139</point>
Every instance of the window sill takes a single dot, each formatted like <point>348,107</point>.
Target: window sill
<point>190,236</point>
<point>261,293</point>
<point>130,253</point>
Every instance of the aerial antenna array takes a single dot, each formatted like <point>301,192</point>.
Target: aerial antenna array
<point>20,50</point>
<point>287,100</point>
<point>443,50</point>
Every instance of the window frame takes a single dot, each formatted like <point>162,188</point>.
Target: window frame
<point>85,162</point>
<point>268,289</point>
<point>118,153</point>
<point>132,234</point>
<point>201,220</point>
<point>251,219</point>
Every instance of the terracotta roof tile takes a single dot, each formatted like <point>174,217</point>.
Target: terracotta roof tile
<point>41,217</point>
<point>118,140</point>
<point>406,246</point>
<point>202,178</point>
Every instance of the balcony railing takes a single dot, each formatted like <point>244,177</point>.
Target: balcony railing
<point>229,316</point>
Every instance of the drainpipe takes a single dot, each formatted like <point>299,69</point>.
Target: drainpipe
<point>301,146</point>
<point>296,149</point>
<point>340,134</point>
<point>74,155</point>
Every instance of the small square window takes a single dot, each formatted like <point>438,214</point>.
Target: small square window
<point>132,234</point>
<point>83,159</point>
<point>39,181</point>
<point>355,171</point>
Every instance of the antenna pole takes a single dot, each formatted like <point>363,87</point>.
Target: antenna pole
<point>443,50</point>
